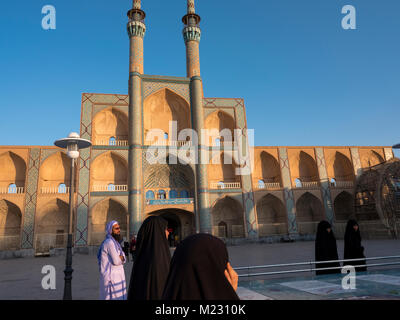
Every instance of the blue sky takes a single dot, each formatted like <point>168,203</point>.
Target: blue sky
<point>305,80</point>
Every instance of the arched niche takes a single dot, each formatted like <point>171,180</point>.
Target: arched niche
<point>53,217</point>
<point>109,168</point>
<point>104,212</point>
<point>309,209</point>
<point>109,124</point>
<point>230,212</point>
<point>162,107</point>
<point>344,207</point>
<point>10,219</point>
<point>370,158</point>
<point>270,168</point>
<point>342,168</point>
<point>270,210</point>
<point>13,170</point>
<point>308,170</point>
<point>220,126</point>
<point>222,167</point>
<point>55,170</point>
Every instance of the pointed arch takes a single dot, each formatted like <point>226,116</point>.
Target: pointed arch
<point>342,168</point>
<point>55,170</point>
<point>103,212</point>
<point>109,123</point>
<point>308,170</point>
<point>168,106</point>
<point>270,168</point>
<point>229,211</point>
<point>344,206</point>
<point>309,208</point>
<point>109,168</point>
<point>221,126</point>
<point>13,169</point>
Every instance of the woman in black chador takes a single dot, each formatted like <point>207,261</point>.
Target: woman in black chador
<point>352,246</point>
<point>200,270</point>
<point>152,259</point>
<point>326,249</point>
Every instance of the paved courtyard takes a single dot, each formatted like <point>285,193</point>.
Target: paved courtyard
<point>21,278</point>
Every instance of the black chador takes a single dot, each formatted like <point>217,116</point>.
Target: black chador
<point>197,270</point>
<point>326,249</point>
<point>352,246</point>
<point>151,265</point>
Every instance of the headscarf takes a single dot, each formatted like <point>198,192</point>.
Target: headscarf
<point>150,269</point>
<point>197,270</point>
<point>326,248</point>
<point>118,247</point>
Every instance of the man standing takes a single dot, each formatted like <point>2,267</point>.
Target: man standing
<point>133,247</point>
<point>111,259</point>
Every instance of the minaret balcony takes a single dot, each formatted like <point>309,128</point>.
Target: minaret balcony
<point>136,29</point>
<point>192,33</point>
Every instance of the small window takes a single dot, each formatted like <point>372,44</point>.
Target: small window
<point>184,194</point>
<point>111,187</point>
<point>12,188</point>
<point>112,141</point>
<point>62,188</point>
<point>165,136</point>
<point>149,195</point>
<point>173,194</point>
<point>218,142</point>
<point>298,183</point>
<point>261,184</point>
<point>333,182</point>
<point>161,194</point>
<point>221,185</point>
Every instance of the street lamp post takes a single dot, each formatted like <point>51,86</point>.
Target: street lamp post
<point>73,144</point>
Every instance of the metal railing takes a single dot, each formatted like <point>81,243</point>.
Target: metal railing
<point>308,185</point>
<point>311,263</point>
<point>112,143</point>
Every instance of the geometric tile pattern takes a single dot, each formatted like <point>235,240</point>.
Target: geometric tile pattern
<point>288,192</point>
<point>355,156</point>
<point>27,238</point>
<point>325,190</point>
<point>388,153</point>
<point>181,89</point>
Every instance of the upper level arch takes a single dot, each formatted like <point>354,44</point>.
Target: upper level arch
<point>13,170</point>
<point>108,168</point>
<point>110,125</point>
<point>162,107</point>
<point>220,126</point>
<point>370,158</point>
<point>55,170</point>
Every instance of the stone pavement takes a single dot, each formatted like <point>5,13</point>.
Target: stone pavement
<point>21,278</point>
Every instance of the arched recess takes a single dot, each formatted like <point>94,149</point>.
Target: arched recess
<point>344,207</point>
<point>221,126</point>
<point>54,171</point>
<point>271,216</point>
<point>109,123</point>
<point>108,168</point>
<point>231,212</point>
<point>370,158</point>
<point>52,226</point>
<point>308,170</point>
<point>342,168</point>
<point>180,221</point>
<point>162,107</point>
<point>222,168</point>
<point>104,212</point>
<point>10,225</point>
<point>309,211</point>
<point>13,170</point>
<point>270,168</point>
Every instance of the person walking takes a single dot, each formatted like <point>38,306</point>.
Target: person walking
<point>352,246</point>
<point>326,249</point>
<point>111,259</point>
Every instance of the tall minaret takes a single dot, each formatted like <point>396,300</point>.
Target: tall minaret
<point>136,31</point>
<point>191,35</point>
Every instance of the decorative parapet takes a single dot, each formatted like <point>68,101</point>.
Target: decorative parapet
<point>136,29</point>
<point>191,34</point>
